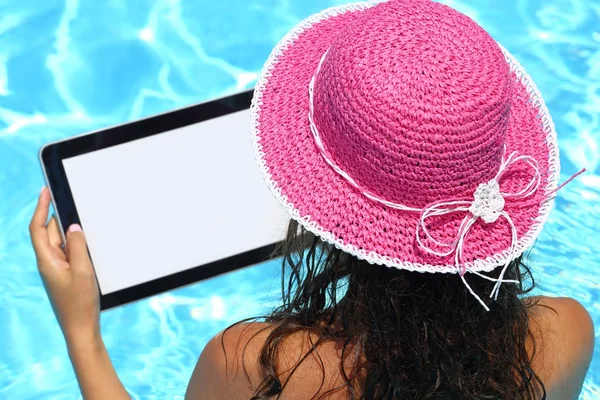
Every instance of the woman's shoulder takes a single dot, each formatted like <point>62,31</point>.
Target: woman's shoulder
<point>230,367</point>
<point>563,331</point>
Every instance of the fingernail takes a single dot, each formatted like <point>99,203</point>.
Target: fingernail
<point>42,191</point>
<point>74,228</point>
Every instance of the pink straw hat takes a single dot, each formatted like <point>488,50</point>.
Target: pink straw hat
<point>402,133</point>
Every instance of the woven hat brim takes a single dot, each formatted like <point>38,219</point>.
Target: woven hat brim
<point>326,205</point>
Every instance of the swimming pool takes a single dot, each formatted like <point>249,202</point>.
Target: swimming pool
<point>74,65</point>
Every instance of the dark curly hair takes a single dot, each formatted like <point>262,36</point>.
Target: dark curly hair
<point>418,336</point>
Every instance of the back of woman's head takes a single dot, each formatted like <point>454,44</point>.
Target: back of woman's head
<point>413,335</point>
<point>401,132</point>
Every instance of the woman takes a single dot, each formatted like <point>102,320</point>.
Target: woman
<point>418,163</point>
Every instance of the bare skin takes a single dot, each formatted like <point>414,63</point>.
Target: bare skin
<point>565,343</point>
<point>565,339</point>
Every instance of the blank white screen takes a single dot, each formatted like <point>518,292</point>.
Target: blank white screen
<point>173,201</point>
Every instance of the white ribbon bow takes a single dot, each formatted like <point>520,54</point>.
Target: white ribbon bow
<point>488,204</point>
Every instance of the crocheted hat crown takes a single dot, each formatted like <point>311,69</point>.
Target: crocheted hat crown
<point>410,119</point>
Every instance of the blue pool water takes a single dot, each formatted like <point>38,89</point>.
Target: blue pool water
<point>74,65</point>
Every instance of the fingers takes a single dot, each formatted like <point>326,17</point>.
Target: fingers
<point>37,227</point>
<point>77,248</point>
<point>54,234</point>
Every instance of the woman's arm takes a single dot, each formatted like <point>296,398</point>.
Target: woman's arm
<point>72,289</point>
<point>95,373</point>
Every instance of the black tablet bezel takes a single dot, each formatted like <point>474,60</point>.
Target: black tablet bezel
<point>51,157</point>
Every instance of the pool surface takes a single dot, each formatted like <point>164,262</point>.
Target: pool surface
<point>71,66</point>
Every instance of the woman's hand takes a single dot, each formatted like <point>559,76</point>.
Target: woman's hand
<point>67,274</point>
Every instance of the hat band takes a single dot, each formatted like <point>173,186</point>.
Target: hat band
<point>488,204</point>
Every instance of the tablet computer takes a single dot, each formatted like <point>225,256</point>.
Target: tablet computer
<point>167,200</point>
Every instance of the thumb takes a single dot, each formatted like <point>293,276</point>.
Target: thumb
<point>77,248</point>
